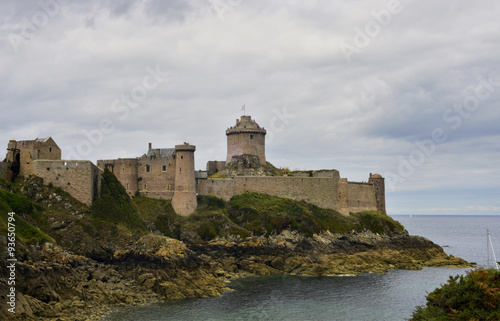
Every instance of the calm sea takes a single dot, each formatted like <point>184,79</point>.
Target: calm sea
<point>390,296</point>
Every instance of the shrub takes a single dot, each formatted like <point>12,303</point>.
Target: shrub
<point>473,297</point>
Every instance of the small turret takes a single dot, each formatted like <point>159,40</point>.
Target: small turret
<point>378,182</point>
<point>184,199</point>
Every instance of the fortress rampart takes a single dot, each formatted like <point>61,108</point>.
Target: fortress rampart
<point>326,192</point>
<point>81,179</point>
<point>361,197</point>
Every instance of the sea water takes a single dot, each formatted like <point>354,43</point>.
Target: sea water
<point>390,296</point>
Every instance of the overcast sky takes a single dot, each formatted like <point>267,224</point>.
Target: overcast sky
<point>407,89</point>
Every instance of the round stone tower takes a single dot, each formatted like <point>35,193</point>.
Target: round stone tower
<point>184,199</point>
<point>379,184</point>
<point>246,138</point>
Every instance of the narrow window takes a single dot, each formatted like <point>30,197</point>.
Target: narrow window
<point>182,157</point>
<point>251,137</point>
<point>180,170</point>
<point>50,149</point>
<point>164,168</point>
<point>148,169</point>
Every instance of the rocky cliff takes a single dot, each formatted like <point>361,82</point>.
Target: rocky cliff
<point>77,263</point>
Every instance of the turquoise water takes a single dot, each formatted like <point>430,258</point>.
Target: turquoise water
<point>390,296</point>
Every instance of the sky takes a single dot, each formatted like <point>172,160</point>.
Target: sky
<point>407,89</point>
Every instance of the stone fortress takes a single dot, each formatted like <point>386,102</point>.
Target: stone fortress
<point>169,173</point>
<point>42,157</point>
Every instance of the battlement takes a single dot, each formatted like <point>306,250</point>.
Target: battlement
<point>185,148</point>
<point>245,125</point>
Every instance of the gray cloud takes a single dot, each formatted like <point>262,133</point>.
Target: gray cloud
<point>66,75</point>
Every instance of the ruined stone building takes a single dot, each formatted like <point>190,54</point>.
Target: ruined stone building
<point>42,157</point>
<point>169,173</point>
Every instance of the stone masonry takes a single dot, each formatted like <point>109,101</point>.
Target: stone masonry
<point>246,138</point>
<point>325,188</point>
<point>169,173</point>
<point>42,157</point>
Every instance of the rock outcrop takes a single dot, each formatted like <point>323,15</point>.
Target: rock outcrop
<point>53,284</point>
<point>77,263</point>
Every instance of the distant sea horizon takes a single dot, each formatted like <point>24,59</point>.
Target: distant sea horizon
<point>390,296</point>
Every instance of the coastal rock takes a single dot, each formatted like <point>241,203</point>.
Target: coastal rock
<point>327,254</point>
<point>54,284</point>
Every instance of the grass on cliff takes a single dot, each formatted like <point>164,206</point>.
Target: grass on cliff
<point>257,214</point>
<point>22,207</point>
<point>473,297</point>
<point>265,214</point>
<point>208,222</point>
<point>114,206</point>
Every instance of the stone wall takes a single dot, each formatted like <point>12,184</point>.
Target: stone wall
<point>326,192</point>
<point>159,180</point>
<point>361,197</point>
<point>125,170</point>
<point>5,172</point>
<point>151,176</point>
<point>342,206</point>
<point>319,191</point>
<point>81,179</point>
<point>215,166</point>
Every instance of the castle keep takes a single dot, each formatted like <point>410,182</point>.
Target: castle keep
<point>246,138</point>
<point>246,148</point>
<point>169,173</point>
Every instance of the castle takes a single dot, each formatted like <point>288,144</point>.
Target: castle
<point>169,173</point>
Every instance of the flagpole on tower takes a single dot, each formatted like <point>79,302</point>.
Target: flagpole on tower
<point>243,110</point>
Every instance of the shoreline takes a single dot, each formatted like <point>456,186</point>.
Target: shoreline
<point>58,285</point>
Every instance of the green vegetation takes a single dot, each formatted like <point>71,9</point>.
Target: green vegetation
<point>378,222</point>
<point>473,297</point>
<point>209,220</point>
<point>115,206</point>
<point>257,214</point>
<point>115,218</point>
<point>22,207</point>
<point>265,214</point>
